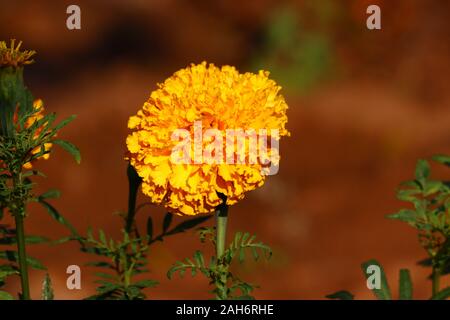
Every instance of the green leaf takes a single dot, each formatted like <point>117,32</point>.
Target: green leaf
<point>241,255</point>
<point>405,215</point>
<point>7,272</point>
<point>50,194</point>
<point>180,267</point>
<point>12,256</point>
<point>442,159</point>
<point>146,284</point>
<point>33,173</point>
<point>422,171</point>
<point>102,236</point>
<point>5,296</point>
<point>105,275</point>
<point>198,256</point>
<point>47,290</point>
<point>442,295</point>
<point>28,240</point>
<point>432,187</point>
<point>58,217</point>
<point>383,293</point>
<point>70,148</point>
<point>405,285</point>
<point>64,122</point>
<point>341,295</point>
<point>100,264</point>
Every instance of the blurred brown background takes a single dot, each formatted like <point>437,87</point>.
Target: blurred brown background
<point>364,105</point>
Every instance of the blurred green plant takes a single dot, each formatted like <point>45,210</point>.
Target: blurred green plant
<point>26,134</point>
<point>297,57</point>
<point>430,216</point>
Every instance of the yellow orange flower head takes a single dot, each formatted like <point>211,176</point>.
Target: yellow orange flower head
<point>216,98</point>
<point>38,105</point>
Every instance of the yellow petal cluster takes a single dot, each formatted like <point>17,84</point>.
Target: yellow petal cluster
<point>39,114</point>
<point>12,56</point>
<point>221,98</point>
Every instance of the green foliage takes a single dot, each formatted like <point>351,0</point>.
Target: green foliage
<point>47,290</point>
<point>405,285</point>
<point>25,134</point>
<point>226,285</point>
<point>297,57</point>
<point>429,214</point>
<point>5,296</point>
<point>13,93</point>
<point>126,258</point>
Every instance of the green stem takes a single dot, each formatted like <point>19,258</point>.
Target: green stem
<point>436,276</point>
<point>23,268</point>
<point>221,228</point>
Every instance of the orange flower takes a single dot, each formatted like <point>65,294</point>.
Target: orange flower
<point>216,98</point>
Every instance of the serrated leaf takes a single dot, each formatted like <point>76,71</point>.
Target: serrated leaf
<point>405,285</point>
<point>198,256</point>
<point>70,148</point>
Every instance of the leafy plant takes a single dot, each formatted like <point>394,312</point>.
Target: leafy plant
<point>26,134</point>
<point>124,259</point>
<point>226,284</point>
<point>429,214</point>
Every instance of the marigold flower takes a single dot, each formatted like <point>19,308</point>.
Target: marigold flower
<point>217,98</point>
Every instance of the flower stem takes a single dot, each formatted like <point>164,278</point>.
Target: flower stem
<point>23,268</point>
<point>221,228</point>
<point>221,231</point>
<point>436,280</point>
